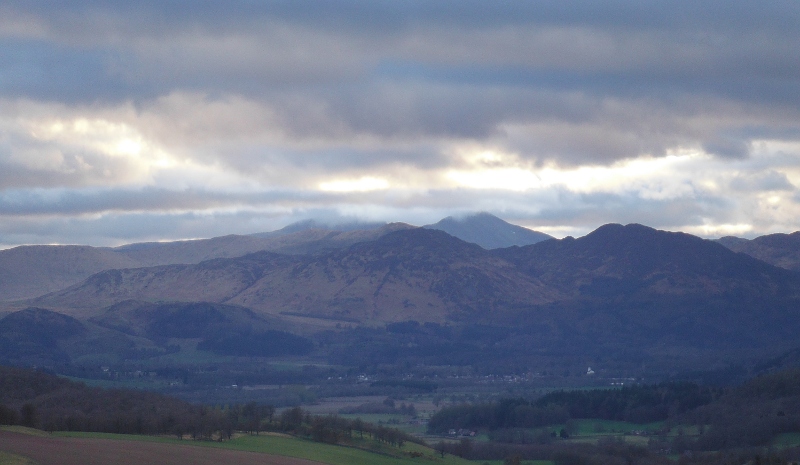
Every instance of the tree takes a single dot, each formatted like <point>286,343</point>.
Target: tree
<point>29,415</point>
<point>292,419</point>
<point>441,447</point>
<point>8,416</point>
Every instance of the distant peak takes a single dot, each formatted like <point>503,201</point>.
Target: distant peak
<point>488,231</point>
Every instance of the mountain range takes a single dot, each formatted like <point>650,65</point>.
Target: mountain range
<point>30,271</point>
<point>622,290</point>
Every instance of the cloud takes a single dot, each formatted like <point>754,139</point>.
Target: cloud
<point>563,115</point>
<point>760,182</point>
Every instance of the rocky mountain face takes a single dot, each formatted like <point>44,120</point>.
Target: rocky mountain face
<point>488,231</point>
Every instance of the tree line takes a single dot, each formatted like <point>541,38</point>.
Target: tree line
<point>43,401</point>
<point>637,404</point>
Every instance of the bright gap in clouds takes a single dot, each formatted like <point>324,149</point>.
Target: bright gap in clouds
<point>363,184</point>
<point>647,174</point>
<point>100,138</point>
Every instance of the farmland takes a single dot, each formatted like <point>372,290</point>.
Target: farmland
<point>93,448</point>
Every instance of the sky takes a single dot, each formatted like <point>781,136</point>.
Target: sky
<point>127,121</point>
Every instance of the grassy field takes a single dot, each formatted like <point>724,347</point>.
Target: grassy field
<point>608,427</point>
<point>787,440</point>
<point>524,462</point>
<point>25,430</point>
<point>11,459</point>
<point>375,453</point>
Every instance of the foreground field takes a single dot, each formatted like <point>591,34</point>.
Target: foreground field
<point>11,459</point>
<point>94,451</point>
<point>92,448</point>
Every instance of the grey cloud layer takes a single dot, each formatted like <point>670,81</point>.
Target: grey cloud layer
<point>440,69</point>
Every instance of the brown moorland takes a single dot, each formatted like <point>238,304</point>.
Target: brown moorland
<point>88,451</point>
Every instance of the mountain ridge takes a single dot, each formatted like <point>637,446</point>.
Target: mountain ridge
<point>629,282</point>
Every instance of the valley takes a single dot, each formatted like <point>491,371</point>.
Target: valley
<point>398,324</point>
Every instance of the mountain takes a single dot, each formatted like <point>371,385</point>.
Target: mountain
<point>488,231</point>
<point>314,224</point>
<point>33,335</point>
<point>223,329</point>
<point>781,250</point>
<point>294,240</point>
<point>178,319</point>
<point>136,330</point>
<point>672,287</point>
<point>407,274</point>
<point>619,259</point>
<point>30,271</point>
<point>622,294</point>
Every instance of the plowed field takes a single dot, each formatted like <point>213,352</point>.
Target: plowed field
<point>89,451</point>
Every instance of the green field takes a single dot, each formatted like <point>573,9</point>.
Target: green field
<point>524,462</point>
<point>787,440</point>
<point>24,430</point>
<point>11,459</point>
<point>368,453</point>
<point>609,427</point>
